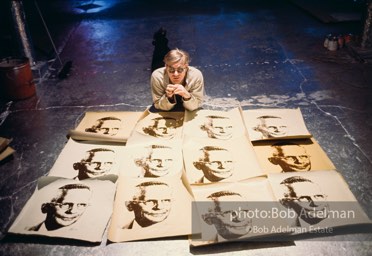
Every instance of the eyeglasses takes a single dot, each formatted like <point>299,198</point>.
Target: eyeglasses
<point>173,70</point>
<point>69,206</point>
<point>154,202</point>
<point>99,164</point>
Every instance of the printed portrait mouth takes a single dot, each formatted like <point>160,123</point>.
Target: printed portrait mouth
<point>167,135</point>
<point>160,169</point>
<point>68,219</point>
<point>158,215</point>
<point>221,172</point>
<point>277,133</point>
<point>159,173</point>
<point>240,228</point>
<point>316,213</point>
<point>237,226</point>
<point>223,135</point>
<point>96,172</point>
<point>302,166</point>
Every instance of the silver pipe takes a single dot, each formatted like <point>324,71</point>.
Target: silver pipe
<point>19,19</point>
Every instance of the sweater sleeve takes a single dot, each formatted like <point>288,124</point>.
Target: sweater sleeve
<point>158,91</point>
<point>196,88</point>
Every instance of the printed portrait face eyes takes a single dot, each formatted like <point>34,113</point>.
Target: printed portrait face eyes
<point>161,161</point>
<point>311,198</point>
<point>68,206</point>
<point>295,158</point>
<point>107,130</point>
<point>232,214</point>
<point>156,202</point>
<point>276,128</point>
<point>220,163</point>
<point>99,164</point>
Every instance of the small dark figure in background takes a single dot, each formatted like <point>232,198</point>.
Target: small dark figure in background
<point>161,49</point>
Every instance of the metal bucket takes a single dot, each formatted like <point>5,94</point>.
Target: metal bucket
<point>16,80</point>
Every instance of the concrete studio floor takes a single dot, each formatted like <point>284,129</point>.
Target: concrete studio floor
<point>261,54</point>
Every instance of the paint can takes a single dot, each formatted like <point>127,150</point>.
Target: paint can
<point>326,40</point>
<point>16,79</point>
<point>333,44</point>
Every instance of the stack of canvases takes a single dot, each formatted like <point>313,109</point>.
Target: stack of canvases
<point>218,175</point>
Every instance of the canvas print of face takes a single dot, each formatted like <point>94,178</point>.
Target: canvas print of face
<point>269,124</point>
<point>112,125</point>
<point>300,155</point>
<point>213,124</point>
<point>236,211</point>
<point>209,161</point>
<point>164,126</point>
<point>67,208</point>
<point>83,160</point>
<point>153,160</point>
<point>317,200</point>
<point>150,208</point>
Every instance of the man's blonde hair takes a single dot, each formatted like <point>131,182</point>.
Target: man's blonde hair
<point>175,56</point>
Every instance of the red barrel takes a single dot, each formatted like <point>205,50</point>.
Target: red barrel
<point>16,80</point>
